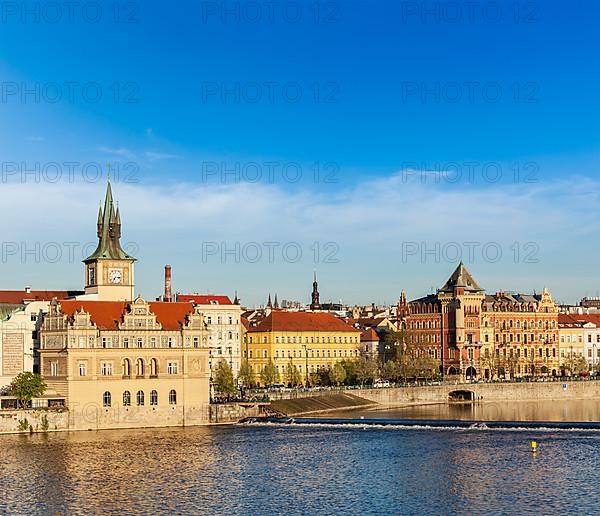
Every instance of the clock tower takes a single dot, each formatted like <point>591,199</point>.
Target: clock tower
<point>109,269</point>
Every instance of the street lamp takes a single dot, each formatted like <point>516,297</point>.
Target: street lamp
<point>306,356</point>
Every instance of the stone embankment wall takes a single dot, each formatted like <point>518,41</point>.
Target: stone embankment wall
<point>93,417</point>
<point>534,391</point>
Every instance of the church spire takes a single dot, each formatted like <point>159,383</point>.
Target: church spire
<point>276,303</point>
<point>109,231</point>
<point>269,304</point>
<point>315,304</point>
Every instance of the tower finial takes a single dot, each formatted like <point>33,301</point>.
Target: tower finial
<point>108,165</point>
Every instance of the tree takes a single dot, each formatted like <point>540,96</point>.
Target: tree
<point>366,370</point>
<point>27,386</point>
<point>315,379</point>
<point>350,367</point>
<point>224,378</point>
<point>575,364</point>
<point>292,375</point>
<point>337,373</point>
<point>245,375</point>
<point>269,374</point>
<point>390,371</point>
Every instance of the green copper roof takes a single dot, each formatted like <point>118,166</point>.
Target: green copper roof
<point>109,232</point>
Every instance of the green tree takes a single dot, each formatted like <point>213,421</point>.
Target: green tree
<point>245,375</point>
<point>315,379</point>
<point>366,370</point>
<point>292,375</point>
<point>337,374</point>
<point>224,378</point>
<point>390,371</point>
<point>269,374</point>
<point>27,386</point>
<point>575,364</point>
<point>351,371</point>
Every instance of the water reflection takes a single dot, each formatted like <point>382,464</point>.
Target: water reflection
<point>572,410</point>
<point>298,470</point>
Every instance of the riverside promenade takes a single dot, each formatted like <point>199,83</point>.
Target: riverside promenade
<point>391,397</point>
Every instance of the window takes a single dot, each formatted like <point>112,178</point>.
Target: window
<point>140,342</point>
<point>153,398</point>
<point>172,368</point>
<point>106,399</point>
<point>152,342</point>
<point>139,367</point>
<point>82,369</point>
<point>125,342</point>
<point>196,342</point>
<point>82,342</point>
<point>139,398</point>
<point>170,342</point>
<point>154,367</point>
<point>53,368</point>
<point>106,342</point>
<point>172,397</point>
<point>209,320</point>
<point>106,369</point>
<point>126,366</point>
<point>127,399</point>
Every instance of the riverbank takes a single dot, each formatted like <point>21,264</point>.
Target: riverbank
<point>292,403</point>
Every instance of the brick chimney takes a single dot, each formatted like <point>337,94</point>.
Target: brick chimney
<point>167,296</point>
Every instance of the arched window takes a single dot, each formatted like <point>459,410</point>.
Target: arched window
<point>139,367</point>
<point>154,367</point>
<point>139,398</point>
<point>172,397</point>
<point>126,399</point>
<point>153,398</point>
<point>106,399</point>
<point>126,365</point>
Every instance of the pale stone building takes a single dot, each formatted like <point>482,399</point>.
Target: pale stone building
<point>119,362</point>
<point>223,325</point>
<point>21,313</point>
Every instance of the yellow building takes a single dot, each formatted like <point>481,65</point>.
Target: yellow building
<point>119,362</point>
<point>309,341</point>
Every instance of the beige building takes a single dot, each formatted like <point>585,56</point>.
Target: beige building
<point>120,362</point>
<point>223,328</point>
<point>21,314</point>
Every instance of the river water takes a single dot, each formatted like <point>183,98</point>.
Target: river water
<point>304,469</point>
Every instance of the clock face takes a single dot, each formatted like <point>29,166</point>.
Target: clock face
<point>115,276</point>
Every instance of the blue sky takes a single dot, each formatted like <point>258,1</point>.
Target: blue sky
<point>376,96</point>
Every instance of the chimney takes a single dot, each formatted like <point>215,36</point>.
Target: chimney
<point>28,290</point>
<point>167,296</point>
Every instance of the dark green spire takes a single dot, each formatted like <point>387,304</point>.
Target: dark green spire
<point>109,232</point>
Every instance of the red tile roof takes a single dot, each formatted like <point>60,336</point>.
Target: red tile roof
<point>369,335</point>
<point>245,322</point>
<point>19,297</point>
<point>104,314</point>
<point>204,299</point>
<point>301,321</point>
<point>108,314</point>
<point>577,320</point>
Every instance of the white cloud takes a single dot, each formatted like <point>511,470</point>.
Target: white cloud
<point>369,222</point>
<point>156,156</point>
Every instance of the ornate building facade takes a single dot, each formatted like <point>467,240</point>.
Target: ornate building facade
<point>223,328</point>
<point>119,362</point>
<point>474,335</point>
